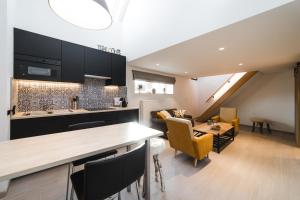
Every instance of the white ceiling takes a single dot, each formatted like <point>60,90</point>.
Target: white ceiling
<point>263,42</point>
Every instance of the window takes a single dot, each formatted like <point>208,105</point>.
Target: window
<point>145,87</point>
<point>148,83</point>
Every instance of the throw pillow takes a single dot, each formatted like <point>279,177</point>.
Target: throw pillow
<point>165,114</point>
<point>179,113</point>
<point>159,115</point>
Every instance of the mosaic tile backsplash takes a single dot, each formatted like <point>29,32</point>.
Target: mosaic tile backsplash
<point>39,95</point>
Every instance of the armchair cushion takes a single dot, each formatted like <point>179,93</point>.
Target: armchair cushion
<point>227,114</point>
<point>203,145</point>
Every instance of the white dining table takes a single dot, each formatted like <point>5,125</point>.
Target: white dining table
<point>29,155</point>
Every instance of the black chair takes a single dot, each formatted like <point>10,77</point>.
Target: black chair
<point>104,178</point>
<point>76,163</point>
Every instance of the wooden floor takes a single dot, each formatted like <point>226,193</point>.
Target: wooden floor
<point>254,167</point>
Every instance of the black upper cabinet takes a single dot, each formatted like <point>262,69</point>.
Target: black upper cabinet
<point>118,70</point>
<point>72,62</point>
<point>32,44</point>
<point>97,63</point>
<point>56,60</point>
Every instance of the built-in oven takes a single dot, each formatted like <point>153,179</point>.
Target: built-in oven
<point>35,68</point>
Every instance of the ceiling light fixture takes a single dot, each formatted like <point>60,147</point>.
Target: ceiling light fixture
<point>89,14</point>
<point>157,64</point>
<point>241,64</point>
<point>221,48</point>
<point>185,72</point>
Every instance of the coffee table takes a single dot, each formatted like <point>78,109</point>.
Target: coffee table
<point>221,137</point>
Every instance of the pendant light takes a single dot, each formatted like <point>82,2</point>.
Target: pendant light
<point>89,14</point>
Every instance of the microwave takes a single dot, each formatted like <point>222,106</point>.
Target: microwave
<point>36,68</point>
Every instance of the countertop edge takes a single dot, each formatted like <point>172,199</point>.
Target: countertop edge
<point>72,113</point>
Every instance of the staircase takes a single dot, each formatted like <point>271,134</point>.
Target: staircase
<point>231,85</point>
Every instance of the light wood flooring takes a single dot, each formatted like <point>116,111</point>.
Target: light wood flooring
<point>254,166</point>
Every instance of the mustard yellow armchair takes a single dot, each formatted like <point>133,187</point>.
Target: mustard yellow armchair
<point>228,115</point>
<point>181,138</point>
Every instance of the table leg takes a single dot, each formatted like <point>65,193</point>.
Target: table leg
<point>218,143</point>
<point>128,148</point>
<point>68,180</point>
<point>147,171</point>
<point>232,132</point>
<point>253,126</point>
<point>261,125</point>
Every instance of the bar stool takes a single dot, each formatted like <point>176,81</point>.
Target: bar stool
<point>157,146</point>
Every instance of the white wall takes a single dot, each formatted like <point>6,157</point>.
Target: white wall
<point>269,96</point>
<point>148,25</point>
<point>37,16</point>
<point>6,63</point>
<point>188,94</point>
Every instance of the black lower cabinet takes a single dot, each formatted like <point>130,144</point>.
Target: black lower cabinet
<point>22,128</point>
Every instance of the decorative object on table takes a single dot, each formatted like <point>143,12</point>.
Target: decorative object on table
<point>157,122</point>
<point>181,138</point>
<point>179,113</point>
<point>216,127</point>
<point>209,122</point>
<point>260,122</point>
<point>228,115</point>
<point>118,51</point>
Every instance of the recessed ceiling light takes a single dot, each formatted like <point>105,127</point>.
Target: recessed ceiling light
<point>241,64</point>
<point>89,14</point>
<point>221,48</point>
<point>157,64</point>
<point>185,72</point>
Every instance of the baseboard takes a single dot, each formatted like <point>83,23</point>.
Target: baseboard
<point>265,130</point>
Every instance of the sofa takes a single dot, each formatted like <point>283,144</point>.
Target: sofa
<point>160,124</point>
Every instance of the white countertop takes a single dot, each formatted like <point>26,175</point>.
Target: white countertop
<point>37,114</point>
<point>29,155</point>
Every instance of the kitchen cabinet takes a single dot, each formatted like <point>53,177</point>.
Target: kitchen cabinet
<point>32,44</point>
<point>72,63</point>
<point>97,63</point>
<point>22,128</point>
<point>57,60</point>
<point>118,70</point>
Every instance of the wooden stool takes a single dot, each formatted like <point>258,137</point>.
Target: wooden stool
<point>260,122</point>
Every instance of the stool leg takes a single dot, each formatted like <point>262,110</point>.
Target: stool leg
<point>155,167</point>
<point>119,196</point>
<point>137,189</point>
<point>162,183</point>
